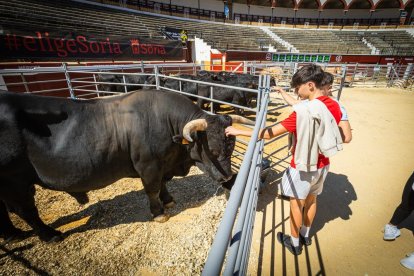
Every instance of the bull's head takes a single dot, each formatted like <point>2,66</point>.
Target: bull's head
<point>209,147</point>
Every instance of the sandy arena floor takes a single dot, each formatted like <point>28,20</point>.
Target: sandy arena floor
<point>361,192</point>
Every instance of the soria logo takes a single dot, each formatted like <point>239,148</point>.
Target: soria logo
<point>61,46</point>
<point>146,49</point>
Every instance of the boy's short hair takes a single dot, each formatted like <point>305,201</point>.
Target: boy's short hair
<point>311,72</point>
<point>328,79</point>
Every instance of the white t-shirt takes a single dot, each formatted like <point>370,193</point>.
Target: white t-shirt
<point>343,111</point>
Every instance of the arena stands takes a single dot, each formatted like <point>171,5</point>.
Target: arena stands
<point>390,43</point>
<point>319,41</point>
<point>42,15</point>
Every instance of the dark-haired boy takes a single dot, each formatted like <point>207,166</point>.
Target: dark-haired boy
<point>303,180</point>
<point>326,84</point>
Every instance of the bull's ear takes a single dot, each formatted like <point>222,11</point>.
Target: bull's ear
<point>180,140</point>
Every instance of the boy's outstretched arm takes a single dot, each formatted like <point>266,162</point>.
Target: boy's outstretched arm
<point>288,98</point>
<point>265,133</point>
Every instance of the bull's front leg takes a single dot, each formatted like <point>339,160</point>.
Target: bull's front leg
<point>165,196</point>
<point>23,205</point>
<point>7,230</point>
<point>152,180</point>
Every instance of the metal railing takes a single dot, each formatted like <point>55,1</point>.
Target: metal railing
<point>356,74</point>
<point>244,196</point>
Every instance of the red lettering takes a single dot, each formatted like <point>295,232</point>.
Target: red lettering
<point>94,47</point>
<point>81,39</point>
<point>9,41</point>
<point>60,48</point>
<point>48,42</point>
<point>70,44</point>
<point>39,36</point>
<point>162,52</point>
<point>117,48</point>
<point>109,46</point>
<point>29,41</point>
<point>102,46</point>
<point>150,50</point>
<point>144,49</point>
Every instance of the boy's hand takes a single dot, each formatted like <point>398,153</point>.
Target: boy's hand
<point>231,131</point>
<point>275,90</point>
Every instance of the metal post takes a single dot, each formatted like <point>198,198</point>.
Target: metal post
<point>123,79</point>
<point>142,66</point>
<point>72,94</point>
<point>157,78</point>
<point>353,75</point>
<point>408,71</point>
<point>211,103</point>
<point>96,85</point>
<point>25,83</point>
<point>342,82</point>
<point>198,11</point>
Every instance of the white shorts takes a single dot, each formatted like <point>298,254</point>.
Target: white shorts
<point>298,184</point>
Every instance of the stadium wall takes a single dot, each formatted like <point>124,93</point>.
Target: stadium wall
<point>289,12</point>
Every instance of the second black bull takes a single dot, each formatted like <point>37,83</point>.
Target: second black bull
<point>230,95</point>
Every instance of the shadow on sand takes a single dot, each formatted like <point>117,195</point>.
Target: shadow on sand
<point>333,203</point>
<point>133,206</point>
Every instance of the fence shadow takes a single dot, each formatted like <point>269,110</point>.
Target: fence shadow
<point>333,203</point>
<point>16,254</point>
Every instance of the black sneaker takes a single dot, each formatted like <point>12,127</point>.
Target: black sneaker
<point>305,240</point>
<point>286,241</point>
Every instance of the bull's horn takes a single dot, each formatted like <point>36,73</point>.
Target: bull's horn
<point>242,120</point>
<point>194,125</point>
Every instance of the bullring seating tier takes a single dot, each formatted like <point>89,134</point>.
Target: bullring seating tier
<point>60,15</point>
<point>319,41</point>
<point>391,43</point>
<point>73,16</point>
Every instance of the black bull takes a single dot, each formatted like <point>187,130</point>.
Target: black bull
<point>81,145</point>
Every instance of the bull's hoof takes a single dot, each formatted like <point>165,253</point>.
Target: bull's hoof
<point>161,218</point>
<point>13,236</point>
<point>51,236</point>
<point>55,239</point>
<point>81,198</point>
<point>169,205</point>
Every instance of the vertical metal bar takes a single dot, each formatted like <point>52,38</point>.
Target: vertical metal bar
<point>353,75</point>
<point>157,78</point>
<point>211,102</point>
<point>125,86</point>
<point>259,92</point>
<point>65,69</point>
<point>26,87</point>
<point>3,85</point>
<point>342,82</point>
<point>96,85</point>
